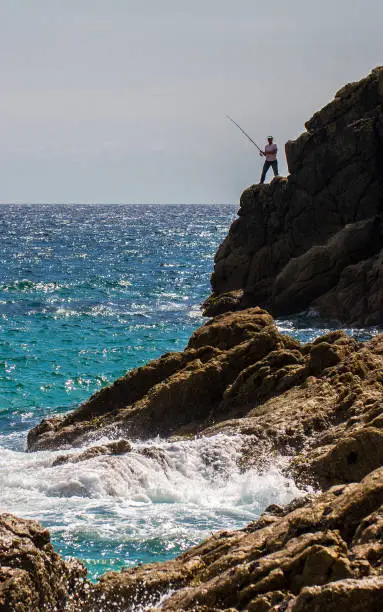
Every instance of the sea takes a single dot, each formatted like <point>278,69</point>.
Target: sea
<point>88,292</point>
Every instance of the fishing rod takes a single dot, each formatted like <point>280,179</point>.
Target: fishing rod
<point>247,135</point>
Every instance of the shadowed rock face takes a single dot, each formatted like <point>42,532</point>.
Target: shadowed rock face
<point>315,239</point>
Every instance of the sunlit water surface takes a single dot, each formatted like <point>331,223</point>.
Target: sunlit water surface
<point>87,293</point>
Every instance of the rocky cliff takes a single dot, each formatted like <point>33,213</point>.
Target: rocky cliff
<point>314,240</point>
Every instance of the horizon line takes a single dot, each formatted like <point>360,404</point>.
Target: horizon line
<point>115,203</point>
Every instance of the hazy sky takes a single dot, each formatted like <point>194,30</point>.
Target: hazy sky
<point>125,100</point>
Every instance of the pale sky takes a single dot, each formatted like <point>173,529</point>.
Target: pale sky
<point>125,100</point>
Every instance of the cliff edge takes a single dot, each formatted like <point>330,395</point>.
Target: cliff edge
<point>314,240</point>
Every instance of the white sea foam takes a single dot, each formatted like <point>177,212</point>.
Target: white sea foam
<point>196,313</point>
<point>177,488</point>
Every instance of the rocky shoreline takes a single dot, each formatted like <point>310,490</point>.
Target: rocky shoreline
<point>320,405</point>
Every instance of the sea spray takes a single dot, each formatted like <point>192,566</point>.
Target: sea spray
<point>86,294</point>
<point>148,504</point>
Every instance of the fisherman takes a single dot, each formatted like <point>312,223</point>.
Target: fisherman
<point>270,153</point>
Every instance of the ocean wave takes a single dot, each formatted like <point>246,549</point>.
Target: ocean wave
<point>163,491</point>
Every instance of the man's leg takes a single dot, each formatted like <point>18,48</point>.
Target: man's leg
<point>266,166</point>
<point>275,167</point>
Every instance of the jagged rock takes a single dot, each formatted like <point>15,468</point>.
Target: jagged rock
<point>103,405</point>
<point>140,585</point>
<point>352,445</point>
<point>112,448</point>
<point>226,302</point>
<point>157,454</point>
<point>321,402</point>
<point>324,553</point>
<point>225,332</point>
<point>315,239</point>
<point>305,277</point>
<point>345,595</point>
<point>32,575</point>
<point>188,389</point>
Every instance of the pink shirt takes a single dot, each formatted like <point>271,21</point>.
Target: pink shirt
<point>271,152</point>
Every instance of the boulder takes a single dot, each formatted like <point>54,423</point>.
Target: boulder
<point>119,447</point>
<point>32,575</point>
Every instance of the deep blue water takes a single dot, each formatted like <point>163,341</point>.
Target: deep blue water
<point>87,293</point>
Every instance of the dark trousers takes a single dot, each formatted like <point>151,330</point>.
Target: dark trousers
<point>266,166</point>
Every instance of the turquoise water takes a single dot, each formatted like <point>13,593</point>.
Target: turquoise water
<point>87,293</point>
